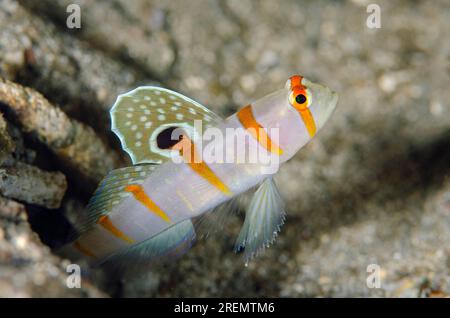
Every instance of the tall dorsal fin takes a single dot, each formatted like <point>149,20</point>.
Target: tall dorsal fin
<point>144,117</point>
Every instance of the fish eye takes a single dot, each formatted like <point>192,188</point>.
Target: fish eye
<point>300,98</point>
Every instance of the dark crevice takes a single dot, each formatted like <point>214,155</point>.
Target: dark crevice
<point>52,226</point>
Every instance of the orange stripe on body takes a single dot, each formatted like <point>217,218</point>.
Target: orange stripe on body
<point>249,122</point>
<point>105,221</point>
<point>190,156</point>
<point>202,169</point>
<point>82,249</point>
<point>140,195</point>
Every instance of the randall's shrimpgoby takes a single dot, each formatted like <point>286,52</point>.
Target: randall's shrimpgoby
<point>146,211</point>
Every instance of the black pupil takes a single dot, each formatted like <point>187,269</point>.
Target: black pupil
<point>300,98</point>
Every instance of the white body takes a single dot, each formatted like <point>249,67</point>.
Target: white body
<point>182,193</point>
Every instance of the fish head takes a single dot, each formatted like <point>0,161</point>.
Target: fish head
<point>307,107</point>
<point>314,102</point>
<point>296,112</point>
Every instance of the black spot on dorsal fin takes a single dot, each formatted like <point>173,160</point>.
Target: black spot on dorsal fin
<point>164,140</point>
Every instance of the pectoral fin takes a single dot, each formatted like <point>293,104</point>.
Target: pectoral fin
<point>263,220</point>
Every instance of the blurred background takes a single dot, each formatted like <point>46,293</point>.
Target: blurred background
<point>372,188</point>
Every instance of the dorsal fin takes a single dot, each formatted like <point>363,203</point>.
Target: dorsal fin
<point>146,113</point>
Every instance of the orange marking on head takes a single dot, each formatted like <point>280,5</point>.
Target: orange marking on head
<point>192,159</point>
<point>308,119</point>
<point>106,222</point>
<point>298,88</point>
<point>140,195</point>
<point>249,122</point>
<point>296,80</point>
<point>82,249</point>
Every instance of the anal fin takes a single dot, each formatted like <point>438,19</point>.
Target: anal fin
<point>170,243</point>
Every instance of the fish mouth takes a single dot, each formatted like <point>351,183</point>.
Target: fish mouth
<point>330,105</point>
<point>334,99</point>
<point>324,102</point>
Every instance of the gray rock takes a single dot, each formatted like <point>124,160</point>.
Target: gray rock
<point>27,267</point>
<point>32,185</point>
